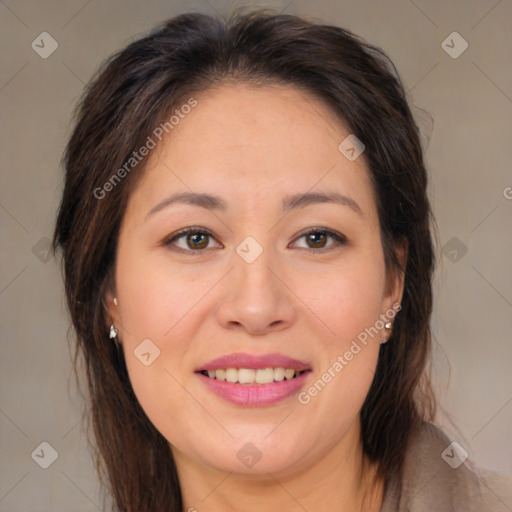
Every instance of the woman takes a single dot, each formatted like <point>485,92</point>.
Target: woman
<point>247,252</point>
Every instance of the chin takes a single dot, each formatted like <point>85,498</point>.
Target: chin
<point>256,454</point>
<point>253,462</point>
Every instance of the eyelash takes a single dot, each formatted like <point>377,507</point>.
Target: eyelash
<point>338,237</point>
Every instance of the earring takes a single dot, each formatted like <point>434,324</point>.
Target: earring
<point>113,333</point>
<point>113,330</point>
<point>388,325</point>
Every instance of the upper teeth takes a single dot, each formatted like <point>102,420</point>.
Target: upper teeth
<point>251,376</point>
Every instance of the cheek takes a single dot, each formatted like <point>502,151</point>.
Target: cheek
<point>336,396</point>
<point>161,304</point>
<point>156,296</point>
<point>346,297</point>
<point>348,302</point>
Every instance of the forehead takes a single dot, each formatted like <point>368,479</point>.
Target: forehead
<point>239,117</point>
<point>270,139</point>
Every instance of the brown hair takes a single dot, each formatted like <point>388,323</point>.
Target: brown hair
<point>131,95</point>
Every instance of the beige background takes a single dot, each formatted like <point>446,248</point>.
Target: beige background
<point>469,156</point>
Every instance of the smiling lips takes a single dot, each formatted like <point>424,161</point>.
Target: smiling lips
<point>254,380</point>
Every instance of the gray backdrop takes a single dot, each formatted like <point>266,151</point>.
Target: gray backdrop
<point>467,91</point>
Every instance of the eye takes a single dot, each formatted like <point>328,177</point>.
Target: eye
<point>317,238</point>
<point>191,239</point>
<point>195,239</point>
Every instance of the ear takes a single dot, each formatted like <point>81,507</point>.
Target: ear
<point>395,277</point>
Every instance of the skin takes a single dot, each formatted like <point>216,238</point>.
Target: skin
<point>253,146</point>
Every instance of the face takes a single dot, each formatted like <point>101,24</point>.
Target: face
<point>280,275</point>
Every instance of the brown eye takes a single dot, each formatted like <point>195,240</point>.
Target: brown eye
<point>320,239</point>
<point>316,240</point>
<point>197,241</point>
<point>193,240</point>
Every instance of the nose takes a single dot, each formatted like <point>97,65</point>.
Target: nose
<point>257,300</point>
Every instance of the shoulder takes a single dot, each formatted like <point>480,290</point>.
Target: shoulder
<point>438,476</point>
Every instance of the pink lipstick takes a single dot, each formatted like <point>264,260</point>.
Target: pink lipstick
<point>254,381</point>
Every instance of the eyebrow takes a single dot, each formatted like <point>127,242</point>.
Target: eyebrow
<point>293,202</point>
<point>303,200</point>
<point>203,200</point>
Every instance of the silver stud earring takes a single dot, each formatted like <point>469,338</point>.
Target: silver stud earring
<point>113,333</point>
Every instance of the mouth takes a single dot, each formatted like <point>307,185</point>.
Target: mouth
<point>251,376</point>
<point>254,381</point>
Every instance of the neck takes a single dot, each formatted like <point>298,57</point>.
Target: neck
<point>337,481</point>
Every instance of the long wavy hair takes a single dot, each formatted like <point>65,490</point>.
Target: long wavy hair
<point>135,91</point>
